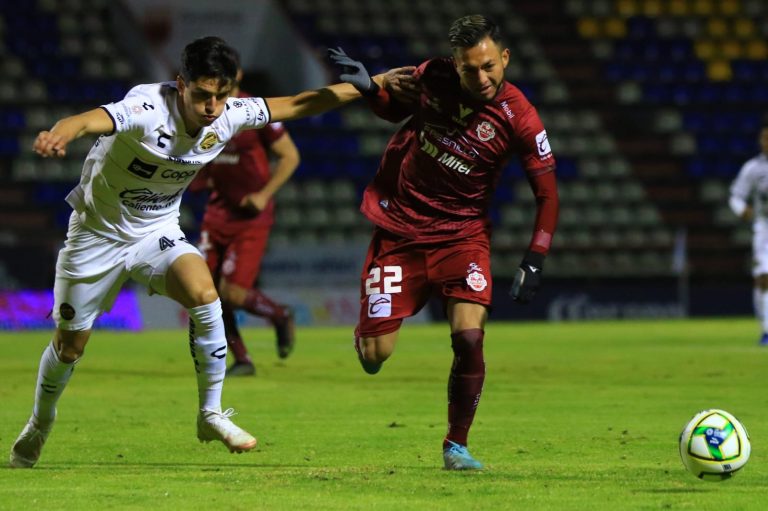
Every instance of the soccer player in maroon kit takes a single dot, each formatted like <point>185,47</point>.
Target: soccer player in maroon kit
<point>236,225</point>
<point>429,202</point>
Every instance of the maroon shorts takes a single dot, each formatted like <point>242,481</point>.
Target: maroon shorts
<point>236,258</point>
<point>400,275</point>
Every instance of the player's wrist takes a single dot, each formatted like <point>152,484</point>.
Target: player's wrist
<point>371,91</point>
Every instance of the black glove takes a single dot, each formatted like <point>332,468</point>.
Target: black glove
<point>528,277</point>
<point>353,72</point>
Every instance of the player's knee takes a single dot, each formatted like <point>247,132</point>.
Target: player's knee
<point>204,296</point>
<point>70,345</point>
<point>467,341</point>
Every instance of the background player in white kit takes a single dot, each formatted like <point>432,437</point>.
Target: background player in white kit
<point>125,221</point>
<point>749,200</point>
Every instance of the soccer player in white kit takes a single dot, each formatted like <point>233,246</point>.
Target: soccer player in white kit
<point>749,200</point>
<point>125,223</point>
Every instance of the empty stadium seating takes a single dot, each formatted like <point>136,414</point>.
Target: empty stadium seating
<point>651,108</point>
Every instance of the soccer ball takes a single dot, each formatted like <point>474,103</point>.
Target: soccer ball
<point>714,445</point>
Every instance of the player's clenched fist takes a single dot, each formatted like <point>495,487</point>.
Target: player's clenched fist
<point>49,144</point>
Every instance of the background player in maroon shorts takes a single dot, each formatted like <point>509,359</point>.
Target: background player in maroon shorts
<point>236,225</point>
<point>430,199</point>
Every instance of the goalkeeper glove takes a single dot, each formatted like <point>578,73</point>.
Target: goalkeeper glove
<point>353,72</point>
<point>528,277</point>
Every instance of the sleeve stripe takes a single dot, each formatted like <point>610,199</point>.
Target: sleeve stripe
<point>266,106</point>
<point>114,124</point>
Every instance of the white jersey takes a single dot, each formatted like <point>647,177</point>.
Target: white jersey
<point>133,179</point>
<point>751,187</point>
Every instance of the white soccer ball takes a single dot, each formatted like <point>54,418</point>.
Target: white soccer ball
<point>714,445</point>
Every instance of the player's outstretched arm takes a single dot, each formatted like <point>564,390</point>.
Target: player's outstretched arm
<point>54,142</point>
<point>309,103</point>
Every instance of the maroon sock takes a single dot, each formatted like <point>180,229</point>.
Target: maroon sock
<point>465,383</point>
<point>258,304</point>
<point>234,341</point>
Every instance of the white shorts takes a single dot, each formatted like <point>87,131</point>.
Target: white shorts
<point>760,253</point>
<point>91,269</point>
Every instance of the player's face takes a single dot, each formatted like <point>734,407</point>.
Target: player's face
<point>481,68</point>
<point>203,100</point>
<point>763,139</point>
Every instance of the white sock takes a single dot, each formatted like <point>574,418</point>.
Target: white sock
<point>52,378</point>
<point>208,346</point>
<point>764,311</point>
<point>757,301</point>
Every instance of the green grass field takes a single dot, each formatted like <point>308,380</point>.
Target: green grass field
<point>573,416</point>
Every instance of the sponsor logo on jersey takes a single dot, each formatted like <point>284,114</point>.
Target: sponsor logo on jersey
<point>209,140</point>
<point>442,135</point>
<point>144,199</point>
<point>507,110</point>
<point>542,143</point>
<point>177,175</point>
<point>485,131</point>
<point>176,159</point>
<point>380,305</point>
<point>444,157</point>
<point>457,164</point>
<point>142,168</point>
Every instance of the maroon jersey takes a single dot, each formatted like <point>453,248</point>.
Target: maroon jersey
<point>438,174</point>
<point>242,168</point>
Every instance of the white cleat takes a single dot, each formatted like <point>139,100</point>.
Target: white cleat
<point>215,425</point>
<point>28,446</point>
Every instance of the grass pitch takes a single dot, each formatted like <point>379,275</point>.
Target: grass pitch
<point>573,416</point>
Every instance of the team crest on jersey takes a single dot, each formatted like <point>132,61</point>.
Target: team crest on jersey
<point>66,311</point>
<point>485,131</point>
<point>209,141</point>
<point>475,279</point>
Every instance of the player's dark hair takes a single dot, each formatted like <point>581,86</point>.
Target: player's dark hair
<point>209,57</point>
<point>467,31</point>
